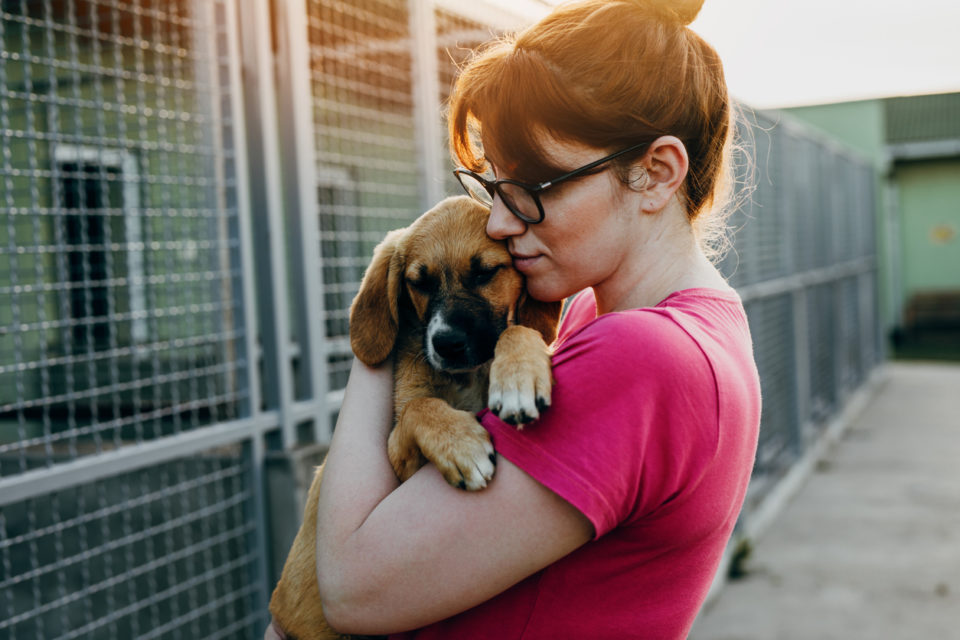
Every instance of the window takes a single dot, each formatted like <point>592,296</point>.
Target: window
<point>98,193</point>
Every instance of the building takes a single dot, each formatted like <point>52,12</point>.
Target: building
<point>914,143</point>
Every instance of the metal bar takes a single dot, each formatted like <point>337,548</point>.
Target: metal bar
<point>894,259</point>
<point>266,200</point>
<point>110,463</point>
<point>838,361</point>
<point>243,286</point>
<point>801,364</point>
<point>254,452</point>
<point>806,279</point>
<point>300,186</point>
<point>426,96</point>
<point>518,14</point>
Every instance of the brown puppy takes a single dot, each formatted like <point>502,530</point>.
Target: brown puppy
<point>446,301</point>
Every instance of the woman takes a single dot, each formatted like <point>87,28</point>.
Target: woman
<point>599,138</point>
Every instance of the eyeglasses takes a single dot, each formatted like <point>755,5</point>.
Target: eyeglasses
<point>523,198</point>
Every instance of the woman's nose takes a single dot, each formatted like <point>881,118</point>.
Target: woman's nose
<point>502,224</point>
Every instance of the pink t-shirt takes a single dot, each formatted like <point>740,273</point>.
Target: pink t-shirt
<point>652,436</point>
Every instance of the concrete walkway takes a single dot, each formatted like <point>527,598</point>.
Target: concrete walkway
<point>869,549</point>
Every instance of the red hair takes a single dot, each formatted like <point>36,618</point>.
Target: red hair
<point>605,73</point>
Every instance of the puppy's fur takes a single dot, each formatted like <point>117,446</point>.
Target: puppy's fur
<point>446,301</point>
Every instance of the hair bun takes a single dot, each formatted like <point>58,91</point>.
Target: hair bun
<point>677,11</point>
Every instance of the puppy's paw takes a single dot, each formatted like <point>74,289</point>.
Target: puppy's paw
<point>520,376</point>
<point>462,452</point>
<point>404,454</point>
<point>452,440</point>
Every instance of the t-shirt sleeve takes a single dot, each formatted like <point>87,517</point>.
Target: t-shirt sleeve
<point>633,416</point>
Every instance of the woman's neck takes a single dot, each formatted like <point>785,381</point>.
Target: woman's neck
<point>669,259</point>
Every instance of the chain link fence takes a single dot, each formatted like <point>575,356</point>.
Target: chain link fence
<point>189,194</point>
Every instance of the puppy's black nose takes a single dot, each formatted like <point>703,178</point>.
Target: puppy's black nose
<point>451,345</point>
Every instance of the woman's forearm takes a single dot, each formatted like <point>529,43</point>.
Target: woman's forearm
<point>357,474</point>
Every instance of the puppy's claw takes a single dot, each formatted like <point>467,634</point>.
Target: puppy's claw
<point>520,376</point>
<point>477,476</point>
<point>462,452</point>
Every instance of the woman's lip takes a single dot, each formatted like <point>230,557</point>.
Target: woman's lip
<point>523,263</point>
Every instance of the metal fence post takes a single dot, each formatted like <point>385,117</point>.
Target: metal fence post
<point>300,191</point>
<point>266,199</point>
<point>426,100</point>
<point>801,340</point>
<point>798,304</point>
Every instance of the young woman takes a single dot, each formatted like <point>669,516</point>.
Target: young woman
<point>599,139</point>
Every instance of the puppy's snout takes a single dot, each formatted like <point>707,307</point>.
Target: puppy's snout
<point>451,345</point>
<point>460,340</point>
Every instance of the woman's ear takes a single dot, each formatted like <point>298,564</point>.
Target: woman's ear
<point>374,314</point>
<point>665,164</point>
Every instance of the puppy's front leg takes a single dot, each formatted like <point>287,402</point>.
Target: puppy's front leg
<point>521,379</point>
<point>429,428</point>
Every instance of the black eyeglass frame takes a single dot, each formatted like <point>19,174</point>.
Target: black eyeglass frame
<point>533,190</point>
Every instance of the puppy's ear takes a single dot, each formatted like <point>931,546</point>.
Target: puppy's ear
<point>542,316</point>
<point>374,314</point>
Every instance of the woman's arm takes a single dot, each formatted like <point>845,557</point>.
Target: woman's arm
<point>393,557</point>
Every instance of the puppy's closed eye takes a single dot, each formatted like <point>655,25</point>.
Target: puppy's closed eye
<point>481,275</point>
<point>421,280</point>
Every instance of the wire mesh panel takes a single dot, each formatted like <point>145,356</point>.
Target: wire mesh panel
<point>804,261</point>
<point>457,37</point>
<point>117,230</point>
<point>822,313</point>
<point>163,552</point>
<point>755,217</point>
<point>122,324</point>
<point>772,326</point>
<point>768,256</point>
<point>849,342</point>
<point>865,206</point>
<point>799,198</point>
<point>367,174</point>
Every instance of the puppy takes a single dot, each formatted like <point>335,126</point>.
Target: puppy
<point>445,300</point>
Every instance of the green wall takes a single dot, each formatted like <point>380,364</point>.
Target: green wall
<point>929,209</point>
<point>860,125</point>
<point>918,215</point>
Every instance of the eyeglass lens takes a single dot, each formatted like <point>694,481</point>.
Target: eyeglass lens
<point>515,197</point>
<point>476,189</point>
